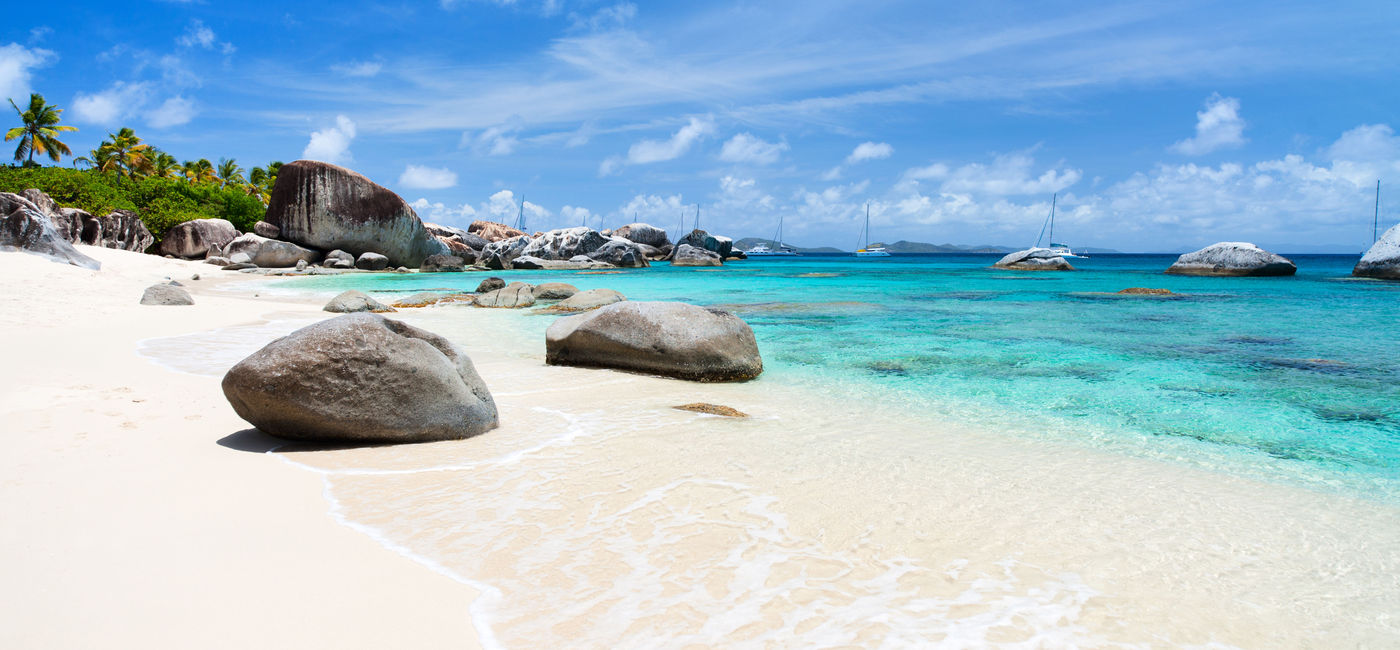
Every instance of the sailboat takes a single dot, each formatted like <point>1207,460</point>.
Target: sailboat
<point>1058,249</point>
<point>865,249</point>
<point>762,250</point>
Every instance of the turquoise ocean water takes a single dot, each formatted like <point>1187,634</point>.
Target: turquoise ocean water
<point>1284,379</point>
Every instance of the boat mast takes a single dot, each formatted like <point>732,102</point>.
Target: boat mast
<point>1376,219</point>
<point>697,216</point>
<point>1053,198</point>
<point>520,220</point>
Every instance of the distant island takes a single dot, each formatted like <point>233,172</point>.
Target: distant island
<point>902,247</point>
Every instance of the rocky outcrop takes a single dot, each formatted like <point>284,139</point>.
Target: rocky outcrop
<point>121,229</point>
<point>492,231</point>
<point>195,238</point>
<point>442,264</point>
<point>361,378</point>
<point>587,301</point>
<point>1145,291</point>
<point>620,252</point>
<point>500,255</point>
<point>371,262</point>
<point>458,240</point>
<point>166,293</point>
<point>355,301</point>
<point>555,291</point>
<point>23,227</point>
<point>265,229</point>
<point>1382,260</point>
<point>1232,259</point>
<point>564,243</point>
<point>723,246</point>
<point>324,206</point>
<point>338,259</point>
<point>490,284</point>
<point>270,253</point>
<point>427,298</point>
<point>643,233</point>
<point>1033,259</point>
<point>673,339</point>
<point>515,295</point>
<point>687,255</point>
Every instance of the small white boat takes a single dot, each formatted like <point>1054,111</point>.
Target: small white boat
<point>865,249</point>
<point>1058,249</point>
<point>762,250</point>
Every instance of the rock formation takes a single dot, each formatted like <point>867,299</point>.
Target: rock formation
<point>1383,258</point>
<point>1033,259</point>
<point>643,233</point>
<point>492,231</point>
<point>270,253</point>
<point>442,264</point>
<point>586,301</point>
<point>1232,259</point>
<point>371,262</point>
<point>723,246</point>
<point>673,339</point>
<point>555,291</point>
<point>324,206</point>
<point>23,227</point>
<point>361,378</point>
<point>166,293</point>
<point>265,229</point>
<point>687,255</point>
<point>195,238</point>
<point>354,301</point>
<point>512,296</point>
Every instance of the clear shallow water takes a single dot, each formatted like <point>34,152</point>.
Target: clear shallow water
<point>1291,379</point>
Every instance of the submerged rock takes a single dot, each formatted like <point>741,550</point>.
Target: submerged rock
<point>1232,259</point>
<point>1033,259</point>
<point>361,378</point>
<point>1383,258</point>
<point>166,293</point>
<point>354,301</point>
<point>513,296</point>
<point>1144,291</point>
<point>673,339</point>
<point>326,206</point>
<point>427,298</point>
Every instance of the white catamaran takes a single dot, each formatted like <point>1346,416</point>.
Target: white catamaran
<point>762,250</point>
<point>865,249</point>
<point>1058,249</point>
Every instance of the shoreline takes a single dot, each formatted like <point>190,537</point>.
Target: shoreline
<point>1024,494</point>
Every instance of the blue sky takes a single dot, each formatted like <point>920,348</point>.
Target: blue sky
<point>1162,126</point>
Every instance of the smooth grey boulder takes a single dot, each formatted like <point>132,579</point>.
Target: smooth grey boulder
<point>239,266</point>
<point>490,284</point>
<point>194,239</point>
<point>371,262</point>
<point>265,229</point>
<point>673,339</point>
<point>24,228</point>
<point>270,253</point>
<point>563,244</point>
<point>713,243</point>
<point>325,206</point>
<point>1382,260</point>
<point>338,259</point>
<point>442,264</point>
<point>427,298</point>
<point>513,296</point>
<point>352,301</point>
<point>687,255</point>
<point>166,293</point>
<point>1034,259</point>
<point>554,291</point>
<point>588,300</point>
<point>621,253</point>
<point>643,233</point>
<point>361,378</point>
<point>1232,259</point>
<point>301,265</point>
<point>240,258</point>
<point>529,262</point>
<point>218,261</point>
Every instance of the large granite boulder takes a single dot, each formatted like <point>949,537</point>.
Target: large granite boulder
<point>270,253</point>
<point>265,229</point>
<point>674,339</point>
<point>1232,259</point>
<point>195,238</point>
<point>643,233</point>
<point>587,301</point>
<point>325,206</point>
<point>23,227</point>
<point>555,291</point>
<point>490,284</point>
<point>122,230</point>
<point>500,255</point>
<point>724,246</point>
<point>371,262</point>
<point>1383,258</point>
<point>620,252</point>
<point>442,264</point>
<point>338,259</point>
<point>492,231</point>
<point>564,243</point>
<point>687,255</point>
<point>166,294</point>
<point>349,302</point>
<point>1034,259</point>
<point>515,295</point>
<point>361,378</point>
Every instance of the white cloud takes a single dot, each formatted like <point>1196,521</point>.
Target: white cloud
<point>1218,126</point>
<point>172,112</point>
<point>111,106</point>
<point>576,216</point>
<point>746,148</point>
<point>609,166</point>
<point>332,144</point>
<point>664,212</point>
<point>419,177</point>
<point>654,151</point>
<point>605,18</point>
<point>499,140</point>
<point>931,172</point>
<point>198,34</point>
<point>439,212</point>
<point>16,69</point>
<point>869,151</point>
<point>1009,174</point>
<point>358,68</point>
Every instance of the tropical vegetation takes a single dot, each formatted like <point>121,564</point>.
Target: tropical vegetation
<point>39,134</point>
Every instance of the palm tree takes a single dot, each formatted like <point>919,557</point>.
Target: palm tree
<point>229,172</point>
<point>40,130</point>
<point>102,159</point>
<point>200,171</point>
<point>132,157</point>
<point>164,165</point>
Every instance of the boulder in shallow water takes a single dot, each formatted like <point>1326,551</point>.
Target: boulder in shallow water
<point>643,233</point>
<point>490,284</point>
<point>512,296</point>
<point>673,339</point>
<point>427,298</point>
<point>371,262</point>
<point>500,255</point>
<point>564,243</point>
<point>1145,291</point>
<point>1033,259</point>
<point>620,252</point>
<point>1232,259</point>
<point>555,291</point>
<point>442,264</point>
<point>587,301</point>
<point>270,253</point>
<point>325,206</point>
<point>687,255</point>
<point>166,293</point>
<point>361,378</point>
<point>24,228</point>
<point>723,246</point>
<point>1382,260</point>
<point>195,238</point>
<point>355,301</point>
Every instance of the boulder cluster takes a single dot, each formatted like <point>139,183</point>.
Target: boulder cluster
<point>31,221</point>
